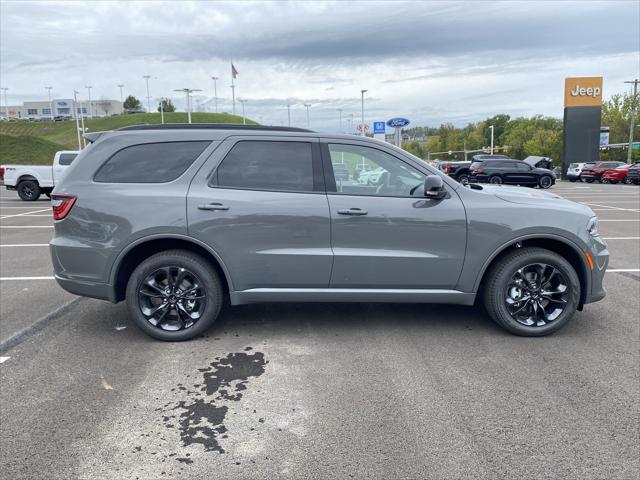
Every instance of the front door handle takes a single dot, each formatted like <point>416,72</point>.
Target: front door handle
<point>213,206</point>
<point>353,212</point>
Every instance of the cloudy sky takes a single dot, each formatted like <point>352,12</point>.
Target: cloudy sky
<point>431,62</point>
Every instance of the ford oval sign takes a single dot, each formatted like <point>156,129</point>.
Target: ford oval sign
<point>398,122</point>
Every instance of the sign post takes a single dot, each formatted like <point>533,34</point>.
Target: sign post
<point>379,131</point>
<point>398,123</point>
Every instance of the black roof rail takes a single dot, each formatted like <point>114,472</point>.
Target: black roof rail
<point>212,126</point>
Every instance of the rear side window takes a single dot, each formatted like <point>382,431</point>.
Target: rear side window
<point>475,164</point>
<point>266,165</point>
<point>66,158</point>
<point>150,162</point>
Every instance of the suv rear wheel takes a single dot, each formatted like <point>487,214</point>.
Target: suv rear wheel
<point>28,190</point>
<point>532,292</point>
<point>495,179</point>
<point>174,295</point>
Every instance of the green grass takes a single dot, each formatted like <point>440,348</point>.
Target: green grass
<point>33,142</point>
<point>25,150</point>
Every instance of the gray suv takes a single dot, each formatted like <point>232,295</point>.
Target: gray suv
<point>176,219</point>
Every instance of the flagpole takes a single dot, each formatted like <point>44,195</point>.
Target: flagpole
<point>233,89</point>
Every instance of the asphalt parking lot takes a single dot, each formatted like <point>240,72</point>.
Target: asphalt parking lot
<point>316,391</point>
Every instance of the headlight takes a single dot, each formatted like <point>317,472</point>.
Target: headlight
<point>592,226</point>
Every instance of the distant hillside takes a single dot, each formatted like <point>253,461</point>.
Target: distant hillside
<point>35,142</point>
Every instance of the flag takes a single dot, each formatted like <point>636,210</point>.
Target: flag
<point>234,72</point>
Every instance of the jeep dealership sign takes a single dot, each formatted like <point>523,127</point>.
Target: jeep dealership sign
<point>582,91</point>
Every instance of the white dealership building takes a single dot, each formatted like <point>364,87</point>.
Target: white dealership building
<point>61,108</point>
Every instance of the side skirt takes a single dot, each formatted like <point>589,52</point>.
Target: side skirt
<point>260,295</point>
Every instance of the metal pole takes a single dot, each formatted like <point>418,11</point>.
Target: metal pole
<point>147,77</point>
<point>233,96</point>
<point>362,92</point>
<point>75,109</point>
<point>491,127</point>
<point>162,111</point>
<point>288,114</point>
<point>6,104</point>
<point>82,115</point>
<point>308,121</point>
<point>340,112</point>
<point>242,102</point>
<point>50,104</point>
<point>188,106</point>
<point>633,116</point>
<point>89,87</point>
<point>215,92</point>
<point>120,87</point>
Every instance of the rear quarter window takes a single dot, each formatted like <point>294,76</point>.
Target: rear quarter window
<point>150,162</point>
<point>66,158</point>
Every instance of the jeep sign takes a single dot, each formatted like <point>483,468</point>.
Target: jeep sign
<point>582,91</point>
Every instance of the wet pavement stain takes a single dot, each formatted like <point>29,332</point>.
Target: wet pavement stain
<point>200,418</point>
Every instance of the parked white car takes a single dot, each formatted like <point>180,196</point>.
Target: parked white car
<point>574,171</point>
<point>31,181</point>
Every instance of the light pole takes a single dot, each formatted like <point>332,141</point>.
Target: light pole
<point>288,114</point>
<point>491,127</point>
<point>340,112</point>
<point>120,87</point>
<point>6,105</point>
<point>50,104</point>
<point>362,92</point>
<point>161,110</point>
<point>243,101</point>
<point>308,122</point>
<point>632,121</point>
<point>89,87</point>
<point>147,77</point>
<point>215,92</point>
<point>75,110</point>
<point>188,92</point>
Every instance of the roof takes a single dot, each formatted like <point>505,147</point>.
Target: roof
<point>213,126</point>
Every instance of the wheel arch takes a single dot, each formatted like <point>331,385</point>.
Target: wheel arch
<point>145,247</point>
<point>24,177</point>
<point>560,245</point>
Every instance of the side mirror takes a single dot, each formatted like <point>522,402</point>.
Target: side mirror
<point>434,187</point>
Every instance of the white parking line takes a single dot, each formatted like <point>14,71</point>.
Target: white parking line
<point>611,220</point>
<point>4,359</point>
<point>612,208</point>
<point>25,213</point>
<point>26,245</point>
<point>26,226</point>
<point>621,238</point>
<point>619,270</point>
<point>26,278</point>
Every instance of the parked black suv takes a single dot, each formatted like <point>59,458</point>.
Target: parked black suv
<point>459,171</point>
<point>512,172</point>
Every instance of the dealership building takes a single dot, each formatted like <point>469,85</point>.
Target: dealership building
<point>61,108</point>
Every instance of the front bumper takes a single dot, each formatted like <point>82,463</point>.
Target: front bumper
<point>600,256</point>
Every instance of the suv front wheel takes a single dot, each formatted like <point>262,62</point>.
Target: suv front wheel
<point>532,292</point>
<point>174,295</point>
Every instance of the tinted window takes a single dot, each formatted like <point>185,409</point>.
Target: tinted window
<point>150,162</point>
<point>370,171</point>
<point>264,165</point>
<point>67,158</point>
<point>522,166</point>
<point>476,164</point>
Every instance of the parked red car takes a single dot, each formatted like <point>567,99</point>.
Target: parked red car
<point>593,171</point>
<point>618,175</point>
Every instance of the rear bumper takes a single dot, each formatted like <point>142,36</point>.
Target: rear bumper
<point>101,291</point>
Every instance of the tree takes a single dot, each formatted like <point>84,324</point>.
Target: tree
<point>167,105</point>
<point>616,114</point>
<point>132,104</point>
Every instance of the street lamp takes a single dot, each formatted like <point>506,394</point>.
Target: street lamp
<point>362,92</point>
<point>243,101</point>
<point>288,114</point>
<point>491,127</point>
<point>308,122</point>
<point>215,92</point>
<point>120,87</point>
<point>50,104</point>
<point>75,109</point>
<point>632,120</point>
<point>161,100</point>
<point>6,105</point>
<point>340,112</point>
<point>89,87</point>
<point>146,78</point>
<point>188,92</point>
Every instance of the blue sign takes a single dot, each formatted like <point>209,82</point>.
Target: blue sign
<point>398,122</point>
<point>378,127</point>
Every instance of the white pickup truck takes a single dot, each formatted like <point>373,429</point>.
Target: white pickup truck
<point>31,181</point>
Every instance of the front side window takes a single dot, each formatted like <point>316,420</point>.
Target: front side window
<point>522,166</point>
<point>360,170</point>
<point>150,162</point>
<point>268,165</point>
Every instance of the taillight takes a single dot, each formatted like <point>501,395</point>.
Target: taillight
<point>61,205</point>
<point>1,174</point>
<point>447,169</point>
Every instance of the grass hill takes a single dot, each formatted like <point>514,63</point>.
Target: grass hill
<point>34,143</point>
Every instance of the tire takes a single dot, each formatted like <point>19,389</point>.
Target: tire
<point>604,180</point>
<point>627,181</point>
<point>497,292</point>
<point>29,190</point>
<point>463,179</point>
<point>588,180</point>
<point>495,179</point>
<point>200,277</point>
<point>545,181</point>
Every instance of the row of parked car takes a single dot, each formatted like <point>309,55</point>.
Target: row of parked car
<point>605,172</point>
<point>498,169</point>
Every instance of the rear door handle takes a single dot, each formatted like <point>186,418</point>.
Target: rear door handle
<point>353,212</point>
<point>213,206</point>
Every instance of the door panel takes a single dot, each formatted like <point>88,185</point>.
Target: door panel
<point>265,238</point>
